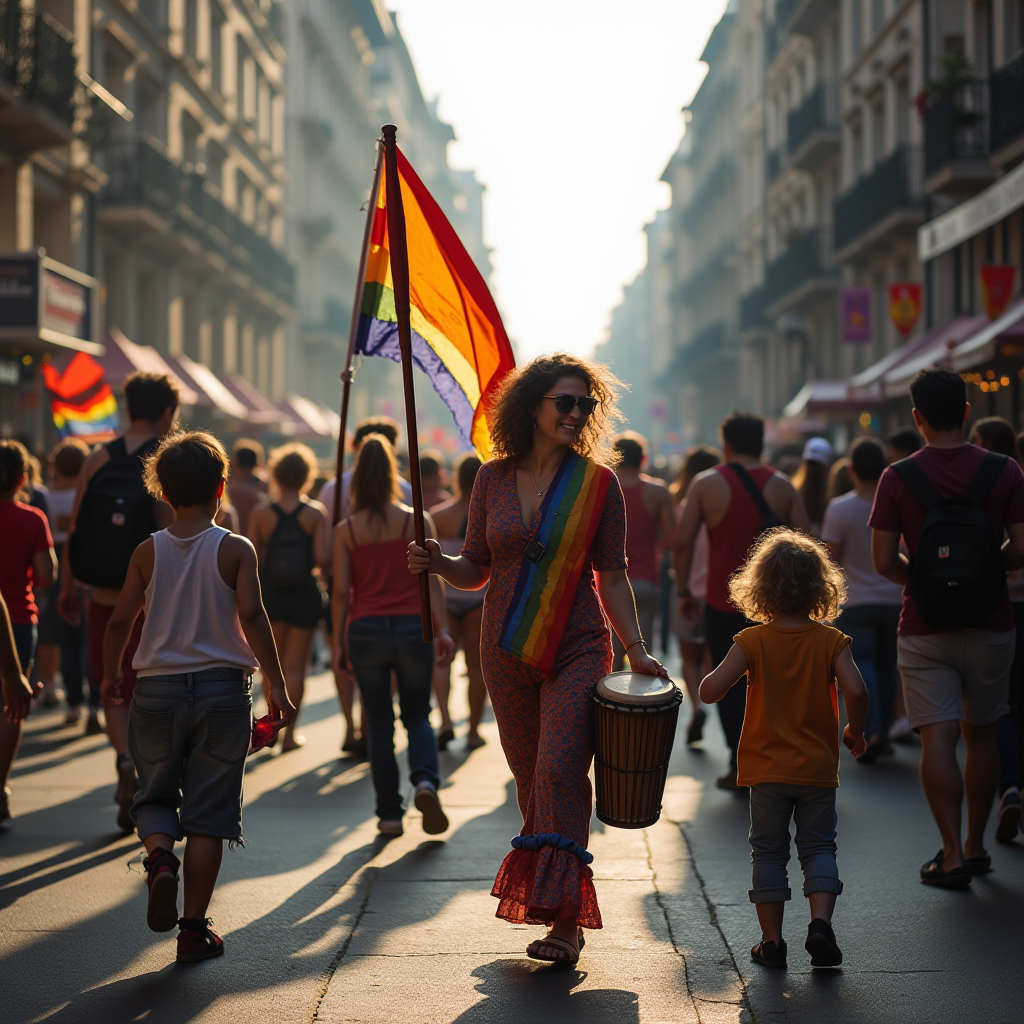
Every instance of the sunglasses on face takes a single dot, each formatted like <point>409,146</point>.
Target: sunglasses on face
<point>566,403</point>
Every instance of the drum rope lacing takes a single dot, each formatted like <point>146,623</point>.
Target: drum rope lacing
<point>555,839</point>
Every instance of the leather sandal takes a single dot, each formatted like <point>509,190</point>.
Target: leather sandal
<point>570,948</point>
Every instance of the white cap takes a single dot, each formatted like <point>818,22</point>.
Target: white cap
<point>818,449</point>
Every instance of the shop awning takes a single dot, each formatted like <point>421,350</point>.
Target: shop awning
<point>984,346</point>
<point>309,420</point>
<point>213,394</point>
<point>260,411</point>
<point>818,396</point>
<point>933,348</point>
<point>123,357</point>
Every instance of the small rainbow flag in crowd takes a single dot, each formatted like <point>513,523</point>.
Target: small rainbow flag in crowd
<point>458,339</point>
<point>82,405</point>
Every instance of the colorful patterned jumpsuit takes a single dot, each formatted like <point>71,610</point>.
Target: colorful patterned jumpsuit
<point>545,723</point>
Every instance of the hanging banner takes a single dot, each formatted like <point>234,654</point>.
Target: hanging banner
<point>905,305</point>
<point>855,315</point>
<point>996,287</point>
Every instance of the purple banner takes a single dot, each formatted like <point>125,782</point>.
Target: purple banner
<point>855,315</point>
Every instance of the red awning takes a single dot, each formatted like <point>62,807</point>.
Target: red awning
<point>984,345</point>
<point>260,411</point>
<point>213,393</point>
<point>123,357</point>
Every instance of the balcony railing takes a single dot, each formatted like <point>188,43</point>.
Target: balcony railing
<point>1008,102</point>
<point>819,112</point>
<point>806,259</point>
<point>140,174</point>
<point>894,184</point>
<point>956,127</point>
<point>37,57</point>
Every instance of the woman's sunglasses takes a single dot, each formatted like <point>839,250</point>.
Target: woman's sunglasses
<point>566,403</point>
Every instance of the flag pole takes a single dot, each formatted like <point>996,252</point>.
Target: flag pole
<point>400,277</point>
<point>348,374</point>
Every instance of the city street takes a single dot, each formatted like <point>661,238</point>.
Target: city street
<point>324,921</point>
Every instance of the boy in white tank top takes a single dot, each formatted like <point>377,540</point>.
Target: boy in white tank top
<point>189,724</point>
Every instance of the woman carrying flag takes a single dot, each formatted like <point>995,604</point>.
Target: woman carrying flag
<point>547,527</point>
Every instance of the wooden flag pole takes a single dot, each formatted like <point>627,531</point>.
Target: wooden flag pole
<point>348,374</point>
<point>400,277</point>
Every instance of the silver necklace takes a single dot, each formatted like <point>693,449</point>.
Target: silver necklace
<point>540,492</point>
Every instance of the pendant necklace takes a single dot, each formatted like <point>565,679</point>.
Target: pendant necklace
<point>540,492</point>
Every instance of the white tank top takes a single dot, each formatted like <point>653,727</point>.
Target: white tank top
<point>191,613</point>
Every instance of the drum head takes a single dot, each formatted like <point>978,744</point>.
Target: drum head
<point>635,688</point>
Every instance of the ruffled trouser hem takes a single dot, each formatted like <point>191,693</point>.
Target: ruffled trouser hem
<point>546,885</point>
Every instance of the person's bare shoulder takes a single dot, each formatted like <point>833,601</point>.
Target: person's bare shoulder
<point>99,456</point>
<point>448,517</point>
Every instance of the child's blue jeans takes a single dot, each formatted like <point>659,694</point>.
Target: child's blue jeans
<point>188,735</point>
<point>813,808</point>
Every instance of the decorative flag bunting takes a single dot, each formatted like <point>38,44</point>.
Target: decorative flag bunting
<point>855,315</point>
<point>904,305</point>
<point>458,339</point>
<point>82,405</point>
<point>996,287</point>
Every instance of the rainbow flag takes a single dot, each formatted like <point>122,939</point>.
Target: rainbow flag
<point>543,597</point>
<point>458,339</point>
<point>82,405</point>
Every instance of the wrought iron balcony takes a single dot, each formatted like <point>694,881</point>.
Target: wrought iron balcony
<point>141,175</point>
<point>1008,102</point>
<point>893,187</point>
<point>956,128</point>
<point>37,65</point>
<point>803,267</point>
<point>813,127</point>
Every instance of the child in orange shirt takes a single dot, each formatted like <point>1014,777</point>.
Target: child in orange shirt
<point>789,748</point>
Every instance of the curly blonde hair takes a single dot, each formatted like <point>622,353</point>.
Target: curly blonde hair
<point>512,415</point>
<point>788,573</point>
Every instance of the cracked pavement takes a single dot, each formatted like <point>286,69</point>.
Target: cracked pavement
<point>325,922</point>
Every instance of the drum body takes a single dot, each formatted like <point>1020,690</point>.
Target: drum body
<point>634,726</point>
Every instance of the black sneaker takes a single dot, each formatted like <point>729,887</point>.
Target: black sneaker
<point>768,954</point>
<point>932,873</point>
<point>821,944</point>
<point>695,733</point>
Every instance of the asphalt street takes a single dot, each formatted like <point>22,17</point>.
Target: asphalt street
<point>324,921</point>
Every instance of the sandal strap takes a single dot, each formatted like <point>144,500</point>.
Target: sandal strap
<point>565,945</point>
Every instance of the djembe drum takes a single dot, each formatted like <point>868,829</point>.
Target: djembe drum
<point>634,724</point>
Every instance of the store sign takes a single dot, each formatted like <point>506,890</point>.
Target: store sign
<point>970,218</point>
<point>904,305</point>
<point>65,306</point>
<point>10,373</point>
<point>855,309</point>
<point>19,295</point>
<point>996,287</point>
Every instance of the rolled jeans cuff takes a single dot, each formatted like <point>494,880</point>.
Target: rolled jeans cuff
<point>770,895</point>
<point>822,883</point>
<point>151,819</point>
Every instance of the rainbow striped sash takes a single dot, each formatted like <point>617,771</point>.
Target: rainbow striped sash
<point>545,589</point>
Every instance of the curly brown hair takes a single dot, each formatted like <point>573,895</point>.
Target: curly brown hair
<point>788,573</point>
<point>512,419</point>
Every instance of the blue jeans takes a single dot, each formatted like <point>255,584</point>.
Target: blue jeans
<point>378,645</point>
<point>772,805</point>
<point>872,628</point>
<point>188,735</point>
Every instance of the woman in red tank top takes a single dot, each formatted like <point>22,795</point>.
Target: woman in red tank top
<point>376,617</point>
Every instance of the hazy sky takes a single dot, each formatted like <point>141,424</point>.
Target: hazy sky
<point>568,110</point>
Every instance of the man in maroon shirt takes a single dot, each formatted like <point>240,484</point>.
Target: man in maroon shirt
<point>720,499</point>
<point>955,681</point>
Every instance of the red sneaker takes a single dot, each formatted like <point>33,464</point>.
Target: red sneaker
<point>197,940</point>
<point>162,878</point>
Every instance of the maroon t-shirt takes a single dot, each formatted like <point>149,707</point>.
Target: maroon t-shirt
<point>951,470</point>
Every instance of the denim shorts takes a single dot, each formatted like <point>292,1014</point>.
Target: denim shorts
<point>188,736</point>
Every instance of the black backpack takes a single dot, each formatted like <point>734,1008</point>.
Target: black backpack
<point>769,519</point>
<point>288,561</point>
<point>115,517</point>
<point>957,577</point>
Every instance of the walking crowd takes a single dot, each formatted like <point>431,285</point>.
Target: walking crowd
<point>818,602</point>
